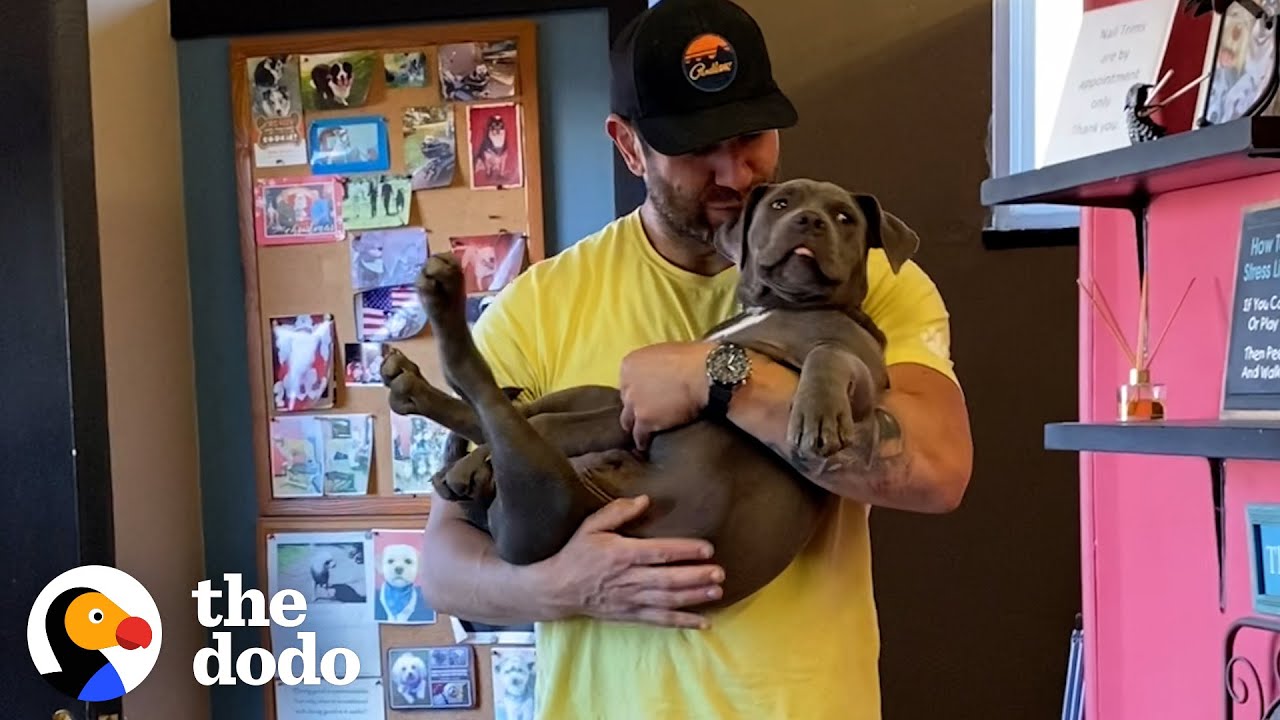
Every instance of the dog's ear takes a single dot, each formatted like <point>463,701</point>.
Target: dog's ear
<point>730,239</point>
<point>885,230</point>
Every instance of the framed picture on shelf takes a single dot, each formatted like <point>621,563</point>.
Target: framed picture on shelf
<point>1243,65</point>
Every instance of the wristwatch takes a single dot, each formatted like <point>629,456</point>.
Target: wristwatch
<point>728,367</point>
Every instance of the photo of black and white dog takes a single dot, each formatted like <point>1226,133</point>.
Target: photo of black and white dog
<point>270,92</point>
<point>275,99</point>
<point>336,81</point>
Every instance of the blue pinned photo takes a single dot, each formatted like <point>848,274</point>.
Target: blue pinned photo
<point>349,145</point>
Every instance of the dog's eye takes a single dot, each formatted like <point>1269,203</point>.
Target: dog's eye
<point>779,204</point>
<point>844,217</point>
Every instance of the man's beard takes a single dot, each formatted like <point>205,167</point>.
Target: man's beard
<point>685,217</point>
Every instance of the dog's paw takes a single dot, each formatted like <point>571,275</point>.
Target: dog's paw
<point>440,284</point>
<point>468,480</point>
<point>821,424</point>
<point>410,392</point>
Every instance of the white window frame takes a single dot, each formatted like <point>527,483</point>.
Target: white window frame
<point>1013,120</point>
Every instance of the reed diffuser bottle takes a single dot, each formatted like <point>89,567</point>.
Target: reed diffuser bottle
<point>1139,398</point>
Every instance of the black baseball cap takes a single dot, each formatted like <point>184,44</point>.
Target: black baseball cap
<point>692,73</point>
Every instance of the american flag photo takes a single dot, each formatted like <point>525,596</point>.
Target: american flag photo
<point>389,313</point>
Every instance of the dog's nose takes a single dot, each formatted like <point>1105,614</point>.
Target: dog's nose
<point>810,219</point>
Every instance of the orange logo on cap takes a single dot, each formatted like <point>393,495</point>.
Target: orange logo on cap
<point>710,63</point>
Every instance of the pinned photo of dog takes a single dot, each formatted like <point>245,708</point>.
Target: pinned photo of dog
<point>514,683</point>
<point>494,135</point>
<point>326,573</point>
<point>276,104</point>
<point>417,453</point>
<point>297,210</point>
<point>346,145</point>
<point>335,81</point>
<point>296,454</point>
<point>489,262</point>
<point>431,677</point>
<point>478,71</point>
<point>380,258</point>
<point>398,596</point>
<point>408,686</point>
<point>302,357</point>
<point>430,147</point>
<point>405,69</point>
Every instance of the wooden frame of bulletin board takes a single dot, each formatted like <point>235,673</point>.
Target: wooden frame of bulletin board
<point>292,279</point>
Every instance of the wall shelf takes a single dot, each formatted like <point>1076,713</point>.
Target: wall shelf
<point>1127,176</point>
<point>1211,439</point>
<point>1235,439</point>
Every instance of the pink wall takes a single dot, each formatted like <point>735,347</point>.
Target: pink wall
<point>1155,635</point>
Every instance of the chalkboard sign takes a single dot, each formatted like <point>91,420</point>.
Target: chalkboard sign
<point>1251,386</point>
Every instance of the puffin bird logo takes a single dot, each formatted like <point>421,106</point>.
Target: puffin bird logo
<point>94,633</point>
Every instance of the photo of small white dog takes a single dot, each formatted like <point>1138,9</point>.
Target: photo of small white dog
<point>408,682</point>
<point>514,683</point>
<point>399,598</point>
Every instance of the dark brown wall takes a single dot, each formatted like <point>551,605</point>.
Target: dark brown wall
<point>976,607</point>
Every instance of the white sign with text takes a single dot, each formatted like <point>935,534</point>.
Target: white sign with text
<point>1118,46</point>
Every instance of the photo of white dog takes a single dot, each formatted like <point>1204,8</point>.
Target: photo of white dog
<point>408,684</point>
<point>432,677</point>
<point>514,683</point>
<point>398,597</point>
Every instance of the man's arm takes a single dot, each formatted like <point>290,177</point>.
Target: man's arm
<point>921,453</point>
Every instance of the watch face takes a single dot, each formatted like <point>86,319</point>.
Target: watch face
<point>727,365</point>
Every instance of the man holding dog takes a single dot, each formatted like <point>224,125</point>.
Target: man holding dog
<point>696,113</point>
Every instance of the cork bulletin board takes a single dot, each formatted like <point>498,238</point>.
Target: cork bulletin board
<point>315,278</point>
<point>358,155</point>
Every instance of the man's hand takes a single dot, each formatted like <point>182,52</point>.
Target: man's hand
<point>607,576</point>
<point>663,386</point>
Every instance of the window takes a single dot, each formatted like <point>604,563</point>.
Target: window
<point>1032,42</point>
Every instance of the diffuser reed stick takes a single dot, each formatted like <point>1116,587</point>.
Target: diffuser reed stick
<point>1110,322</point>
<point>1163,333</point>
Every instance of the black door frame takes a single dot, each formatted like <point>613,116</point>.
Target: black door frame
<point>233,18</point>
<point>57,507</point>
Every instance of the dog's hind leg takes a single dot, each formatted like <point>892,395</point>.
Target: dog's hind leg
<point>539,499</point>
<point>411,394</point>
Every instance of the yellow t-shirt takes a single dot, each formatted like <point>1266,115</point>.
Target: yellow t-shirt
<point>804,647</point>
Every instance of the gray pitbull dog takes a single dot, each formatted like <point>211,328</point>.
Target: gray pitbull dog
<point>540,468</point>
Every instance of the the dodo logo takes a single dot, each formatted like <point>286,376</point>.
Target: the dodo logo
<point>94,633</point>
<point>710,63</point>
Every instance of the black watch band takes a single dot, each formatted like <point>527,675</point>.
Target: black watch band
<point>718,397</point>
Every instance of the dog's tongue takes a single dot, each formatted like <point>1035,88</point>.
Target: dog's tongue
<point>802,250</point>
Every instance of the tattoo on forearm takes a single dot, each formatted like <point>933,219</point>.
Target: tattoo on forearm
<point>891,443</point>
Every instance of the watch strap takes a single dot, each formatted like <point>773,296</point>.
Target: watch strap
<point>718,397</point>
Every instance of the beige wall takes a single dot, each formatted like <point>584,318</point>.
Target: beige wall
<point>150,386</point>
<point>894,99</point>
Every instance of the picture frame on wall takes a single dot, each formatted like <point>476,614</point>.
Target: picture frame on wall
<point>1263,524</point>
<point>1242,64</point>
